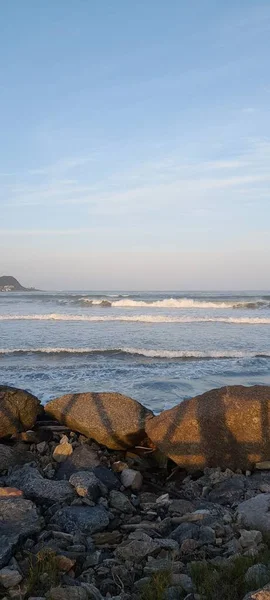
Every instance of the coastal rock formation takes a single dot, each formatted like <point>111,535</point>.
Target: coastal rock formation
<point>18,410</point>
<point>111,419</point>
<point>226,427</point>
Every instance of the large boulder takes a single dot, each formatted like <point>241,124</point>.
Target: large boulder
<point>18,410</point>
<point>226,427</point>
<point>111,419</point>
<point>255,513</point>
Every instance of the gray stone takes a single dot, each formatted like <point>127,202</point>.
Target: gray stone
<point>18,519</point>
<point>228,491</point>
<point>68,593</point>
<point>184,581</point>
<point>86,519</point>
<point>87,484</point>
<point>255,513</point>
<point>257,575</point>
<point>9,457</point>
<point>107,477</point>
<point>10,577</point>
<point>207,535</point>
<point>82,459</point>
<point>120,502</point>
<point>136,550</point>
<point>131,479</point>
<point>185,531</point>
<point>37,488</point>
<point>181,507</point>
<point>250,538</point>
<point>92,592</point>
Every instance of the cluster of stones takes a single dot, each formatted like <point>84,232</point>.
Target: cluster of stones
<point>107,511</point>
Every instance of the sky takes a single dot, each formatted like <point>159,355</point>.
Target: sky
<point>135,144</point>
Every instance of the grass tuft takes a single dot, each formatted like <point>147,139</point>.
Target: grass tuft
<point>43,571</point>
<point>156,587</point>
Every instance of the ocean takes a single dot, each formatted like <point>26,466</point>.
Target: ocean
<point>157,347</point>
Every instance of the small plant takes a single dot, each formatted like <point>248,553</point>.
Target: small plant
<point>225,582</point>
<point>156,587</point>
<point>43,571</point>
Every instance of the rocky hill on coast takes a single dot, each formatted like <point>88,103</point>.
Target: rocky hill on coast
<point>10,284</point>
<point>101,499</point>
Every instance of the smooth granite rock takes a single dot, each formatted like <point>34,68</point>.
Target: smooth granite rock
<point>111,419</point>
<point>18,410</point>
<point>226,427</point>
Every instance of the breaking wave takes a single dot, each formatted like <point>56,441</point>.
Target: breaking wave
<point>138,319</point>
<point>148,353</point>
<point>176,303</point>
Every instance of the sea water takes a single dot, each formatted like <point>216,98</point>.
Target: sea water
<point>157,347</point>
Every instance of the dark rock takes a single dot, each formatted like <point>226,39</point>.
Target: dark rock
<point>9,457</point>
<point>87,484</point>
<point>18,520</point>
<point>221,428</point>
<point>18,410</point>
<point>228,491</point>
<point>107,477</point>
<point>82,459</point>
<point>120,502</point>
<point>181,507</point>
<point>185,531</point>
<point>40,490</point>
<point>111,419</point>
<point>86,519</point>
<point>257,575</point>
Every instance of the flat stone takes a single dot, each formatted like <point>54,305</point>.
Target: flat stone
<point>181,507</point>
<point>111,419</point>
<point>221,428</point>
<point>37,488</point>
<point>18,410</point>
<point>136,550</point>
<point>263,466</point>
<point>107,538</point>
<point>7,492</point>
<point>86,519</point>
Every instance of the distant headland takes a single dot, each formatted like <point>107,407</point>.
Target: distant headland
<point>10,284</point>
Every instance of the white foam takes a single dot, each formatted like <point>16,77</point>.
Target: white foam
<point>138,319</point>
<point>148,353</point>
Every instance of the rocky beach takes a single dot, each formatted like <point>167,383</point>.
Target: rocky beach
<point>101,499</point>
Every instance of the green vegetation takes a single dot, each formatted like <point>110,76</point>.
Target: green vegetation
<point>155,588</point>
<point>226,582</point>
<point>43,571</point>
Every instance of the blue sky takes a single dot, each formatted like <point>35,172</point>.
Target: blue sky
<point>135,143</point>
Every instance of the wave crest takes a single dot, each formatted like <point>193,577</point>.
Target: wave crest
<point>158,319</point>
<point>145,352</point>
